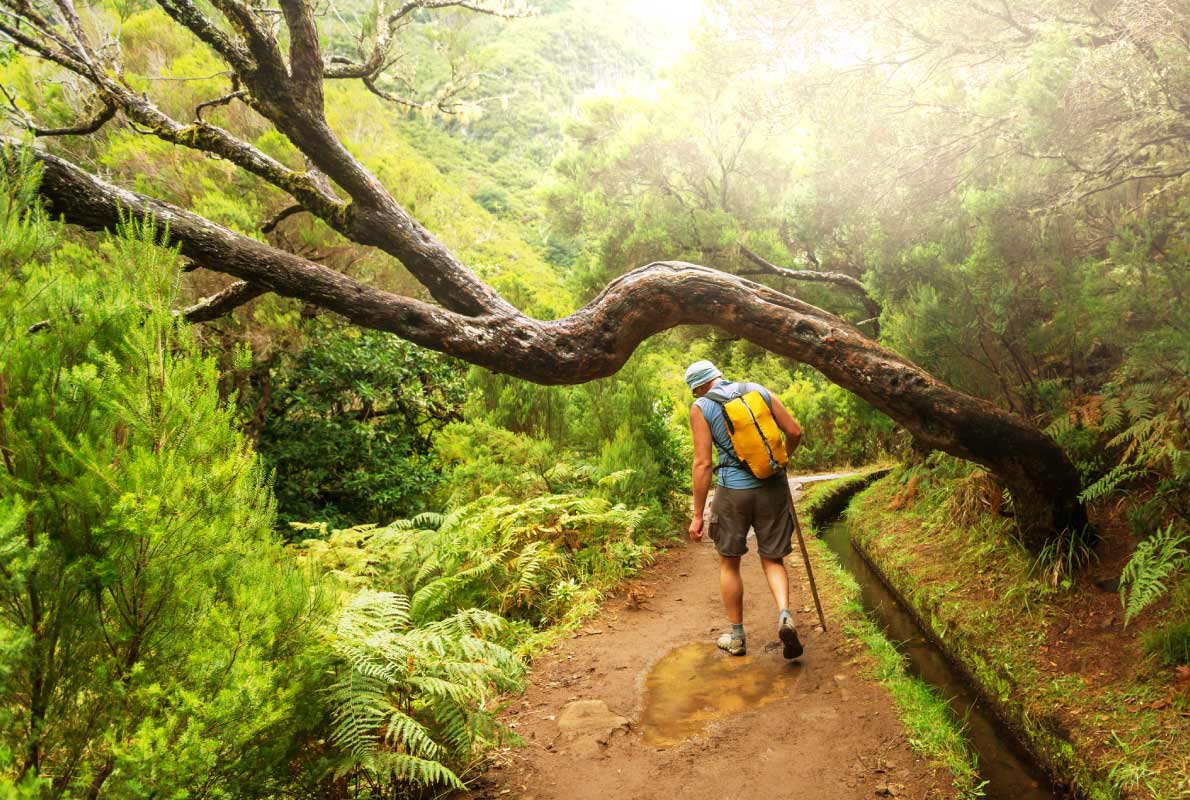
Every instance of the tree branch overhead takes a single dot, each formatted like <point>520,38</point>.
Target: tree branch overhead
<point>471,320</point>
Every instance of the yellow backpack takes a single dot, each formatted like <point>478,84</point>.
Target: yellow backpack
<point>755,437</point>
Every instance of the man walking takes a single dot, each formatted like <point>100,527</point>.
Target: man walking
<point>742,501</point>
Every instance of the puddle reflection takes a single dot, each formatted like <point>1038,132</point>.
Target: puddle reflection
<point>697,683</point>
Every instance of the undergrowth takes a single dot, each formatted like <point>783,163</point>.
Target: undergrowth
<point>1010,618</point>
<point>541,562</point>
<point>438,614</point>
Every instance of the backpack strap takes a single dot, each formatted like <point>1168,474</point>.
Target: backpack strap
<point>721,404</point>
<point>730,427</point>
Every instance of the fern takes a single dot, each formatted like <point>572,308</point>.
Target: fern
<point>1062,425</point>
<point>495,554</point>
<point>1107,484</point>
<point>1145,424</point>
<point>402,768</point>
<point>432,598</point>
<point>410,701</point>
<point>1113,414</point>
<point>427,520</point>
<point>422,645</point>
<point>1156,560</point>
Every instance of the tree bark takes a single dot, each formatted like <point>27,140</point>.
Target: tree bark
<point>853,285</point>
<point>596,340</point>
<point>223,302</point>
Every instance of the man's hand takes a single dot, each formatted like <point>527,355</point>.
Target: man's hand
<point>696,529</point>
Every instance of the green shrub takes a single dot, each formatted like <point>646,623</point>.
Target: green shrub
<point>153,631</point>
<point>839,428</point>
<point>1169,641</point>
<point>350,429</point>
<point>480,458</point>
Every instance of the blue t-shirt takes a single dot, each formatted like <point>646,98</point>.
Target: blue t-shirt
<point>732,473</point>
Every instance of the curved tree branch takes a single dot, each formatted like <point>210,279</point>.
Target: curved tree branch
<point>105,114</point>
<point>82,128</point>
<point>843,280</point>
<point>474,322</point>
<point>270,224</point>
<point>218,101</point>
<point>596,340</point>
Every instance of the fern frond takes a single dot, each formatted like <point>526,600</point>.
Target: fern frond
<point>458,727</point>
<point>1062,425</point>
<point>1107,484</point>
<point>431,598</point>
<point>360,707</point>
<point>1142,581</point>
<point>428,520</point>
<point>1113,414</point>
<point>413,737</point>
<point>403,768</point>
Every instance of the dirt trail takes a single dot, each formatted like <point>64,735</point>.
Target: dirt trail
<point>626,708</point>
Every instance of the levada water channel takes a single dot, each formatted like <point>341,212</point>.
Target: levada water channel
<point>1009,775</point>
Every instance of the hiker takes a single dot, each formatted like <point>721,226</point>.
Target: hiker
<point>742,500</point>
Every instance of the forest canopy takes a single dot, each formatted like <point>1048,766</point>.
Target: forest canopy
<point>281,74</point>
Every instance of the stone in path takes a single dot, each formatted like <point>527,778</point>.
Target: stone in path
<point>588,725</point>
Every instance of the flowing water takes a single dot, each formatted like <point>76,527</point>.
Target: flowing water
<point>1009,776</point>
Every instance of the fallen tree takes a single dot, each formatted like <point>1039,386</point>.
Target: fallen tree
<point>468,319</point>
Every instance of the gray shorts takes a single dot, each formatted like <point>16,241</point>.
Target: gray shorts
<point>734,511</point>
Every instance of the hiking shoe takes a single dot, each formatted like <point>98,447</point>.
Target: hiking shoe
<point>788,634</point>
<point>734,645</point>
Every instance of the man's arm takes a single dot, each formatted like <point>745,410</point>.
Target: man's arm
<point>701,470</point>
<point>787,424</point>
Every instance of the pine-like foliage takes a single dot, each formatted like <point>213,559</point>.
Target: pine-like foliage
<point>1146,576</point>
<point>154,636</point>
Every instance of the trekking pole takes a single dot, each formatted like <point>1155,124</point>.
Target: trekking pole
<point>797,527</point>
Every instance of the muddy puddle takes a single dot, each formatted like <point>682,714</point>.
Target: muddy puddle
<point>694,685</point>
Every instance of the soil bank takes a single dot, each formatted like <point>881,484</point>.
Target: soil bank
<point>1057,666</point>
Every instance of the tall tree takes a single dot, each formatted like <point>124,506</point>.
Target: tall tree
<point>277,63</point>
